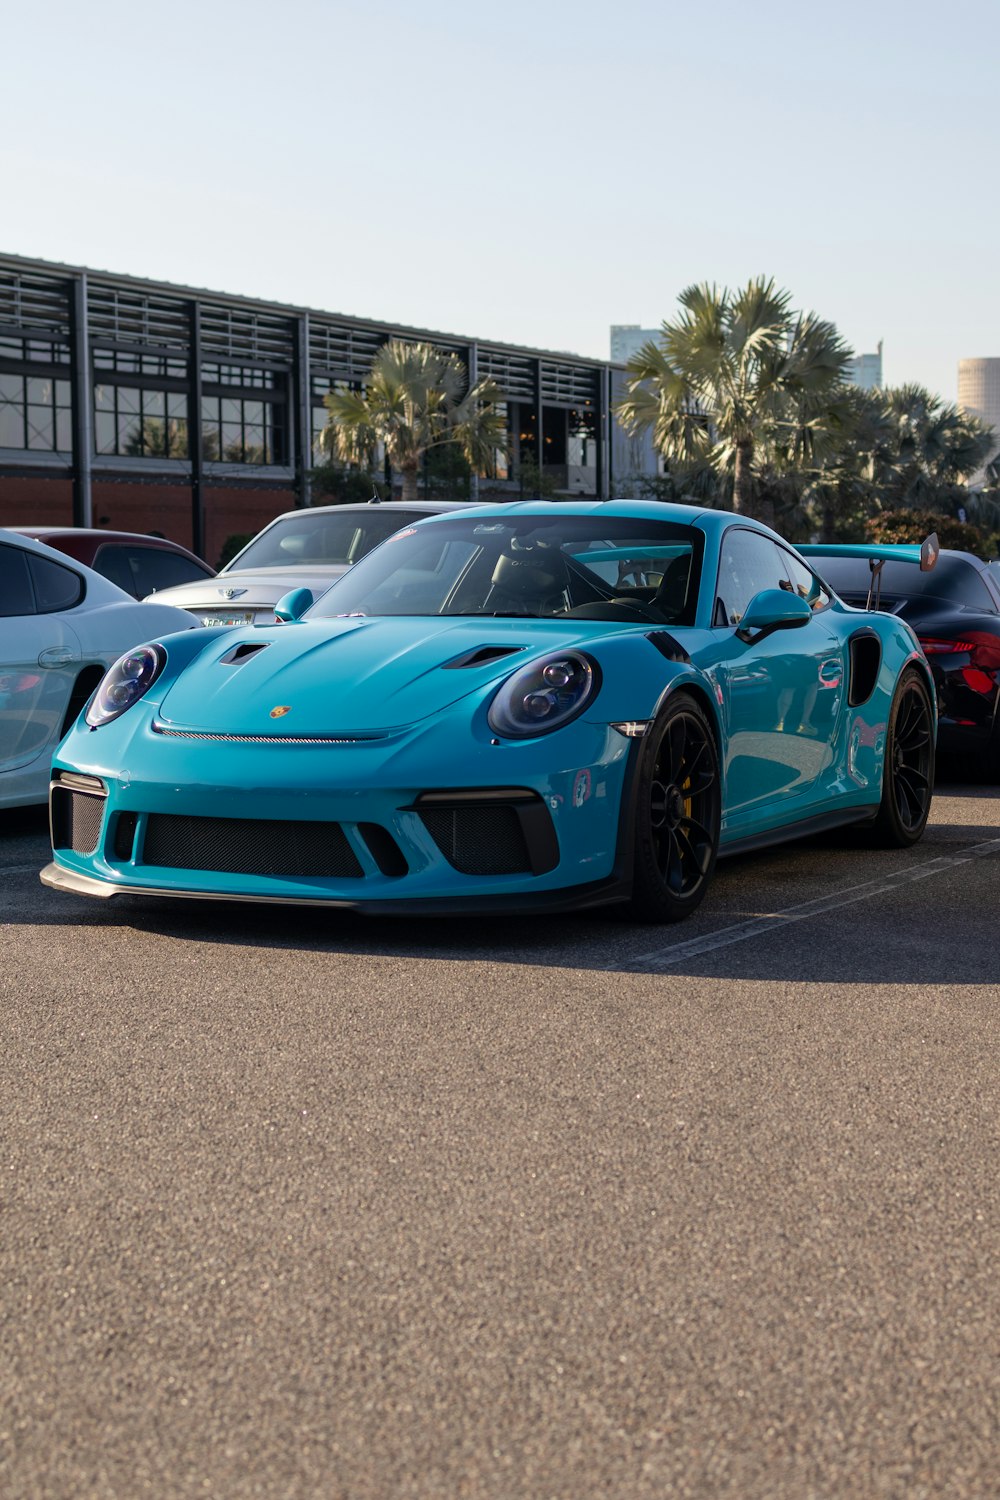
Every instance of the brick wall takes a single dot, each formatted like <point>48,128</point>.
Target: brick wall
<point>134,506</point>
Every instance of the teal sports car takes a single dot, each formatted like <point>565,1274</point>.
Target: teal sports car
<point>514,708</point>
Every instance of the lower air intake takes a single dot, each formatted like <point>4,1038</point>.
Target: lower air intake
<point>245,846</point>
<point>76,820</point>
<point>479,840</point>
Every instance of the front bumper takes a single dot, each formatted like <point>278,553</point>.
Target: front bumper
<point>515,828</point>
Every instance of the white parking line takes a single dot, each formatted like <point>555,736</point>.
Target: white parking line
<point>663,958</point>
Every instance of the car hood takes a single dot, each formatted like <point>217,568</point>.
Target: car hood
<point>354,675</point>
<point>249,590</point>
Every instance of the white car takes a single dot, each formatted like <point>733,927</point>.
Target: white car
<point>61,626</point>
<point>302,549</point>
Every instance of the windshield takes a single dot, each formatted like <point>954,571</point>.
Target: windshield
<point>951,578</point>
<point>558,564</point>
<point>308,538</point>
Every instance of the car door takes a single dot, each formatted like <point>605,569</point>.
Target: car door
<point>776,692</point>
<point>40,653</point>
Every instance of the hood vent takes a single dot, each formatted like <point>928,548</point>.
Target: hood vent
<point>243,652</point>
<point>482,656</point>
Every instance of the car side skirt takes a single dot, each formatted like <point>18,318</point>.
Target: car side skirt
<point>804,828</point>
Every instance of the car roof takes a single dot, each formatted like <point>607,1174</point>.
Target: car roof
<point>363,507</point>
<point>99,534</point>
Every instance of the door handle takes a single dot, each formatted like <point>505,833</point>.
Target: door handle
<point>56,656</point>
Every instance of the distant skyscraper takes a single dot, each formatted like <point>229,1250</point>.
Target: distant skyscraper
<point>865,370</point>
<point>979,394</point>
<point>627,339</point>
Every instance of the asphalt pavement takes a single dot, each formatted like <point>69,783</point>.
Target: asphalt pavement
<point>300,1204</point>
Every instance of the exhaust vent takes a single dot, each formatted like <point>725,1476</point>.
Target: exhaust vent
<point>482,656</point>
<point>243,652</point>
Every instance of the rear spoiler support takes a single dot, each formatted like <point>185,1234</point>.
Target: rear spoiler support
<point>930,549</point>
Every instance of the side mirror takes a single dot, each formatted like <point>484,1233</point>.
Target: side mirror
<point>291,607</point>
<point>930,548</point>
<point>773,609</point>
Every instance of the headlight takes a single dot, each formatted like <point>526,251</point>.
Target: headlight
<point>125,683</point>
<point>544,696</point>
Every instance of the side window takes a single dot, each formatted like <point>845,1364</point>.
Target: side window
<point>55,587</point>
<point>805,583</point>
<point>112,564</point>
<point>749,563</point>
<point>971,590</point>
<point>146,569</point>
<point>16,597</point>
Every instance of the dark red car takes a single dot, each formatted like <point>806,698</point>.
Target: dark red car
<point>138,564</point>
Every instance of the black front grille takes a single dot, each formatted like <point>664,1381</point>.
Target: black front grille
<point>480,839</point>
<point>76,820</point>
<point>247,846</point>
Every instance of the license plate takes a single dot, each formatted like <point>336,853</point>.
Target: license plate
<point>229,617</point>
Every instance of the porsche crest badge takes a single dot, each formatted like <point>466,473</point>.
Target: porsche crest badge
<point>280,710</point>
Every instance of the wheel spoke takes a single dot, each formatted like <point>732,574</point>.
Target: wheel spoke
<point>699,830</point>
<point>699,857</point>
<point>676,742</point>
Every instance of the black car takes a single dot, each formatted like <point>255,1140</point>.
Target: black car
<point>954,608</point>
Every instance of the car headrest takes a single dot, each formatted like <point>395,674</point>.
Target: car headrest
<point>534,573</point>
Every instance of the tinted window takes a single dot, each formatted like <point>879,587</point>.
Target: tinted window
<point>143,570</point>
<point>533,565</point>
<point>56,587</point>
<point>749,564</point>
<point>952,578</point>
<point>805,582</point>
<point>303,539</point>
<point>16,597</point>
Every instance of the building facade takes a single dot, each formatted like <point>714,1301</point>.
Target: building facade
<point>627,339</point>
<point>979,395</point>
<point>146,406</point>
<point>865,370</point>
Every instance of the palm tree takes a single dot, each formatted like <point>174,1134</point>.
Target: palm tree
<point>737,379</point>
<point>416,399</point>
<point>934,446</point>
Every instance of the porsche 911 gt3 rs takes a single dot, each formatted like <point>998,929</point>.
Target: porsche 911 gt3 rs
<point>511,708</point>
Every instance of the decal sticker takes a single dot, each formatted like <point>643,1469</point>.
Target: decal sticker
<point>581,787</point>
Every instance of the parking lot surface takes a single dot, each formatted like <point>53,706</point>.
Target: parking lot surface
<point>302,1204</point>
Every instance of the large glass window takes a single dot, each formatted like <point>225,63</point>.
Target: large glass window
<point>244,415</point>
<point>140,404</point>
<point>140,422</point>
<point>35,403</point>
<point>619,570</point>
<point>322,386</point>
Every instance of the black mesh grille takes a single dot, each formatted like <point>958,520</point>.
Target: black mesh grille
<point>76,820</point>
<point>479,840</point>
<point>238,846</point>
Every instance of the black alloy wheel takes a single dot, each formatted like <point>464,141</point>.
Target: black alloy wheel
<point>908,772</point>
<point>678,814</point>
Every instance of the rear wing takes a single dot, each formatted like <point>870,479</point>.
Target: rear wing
<point>878,554</point>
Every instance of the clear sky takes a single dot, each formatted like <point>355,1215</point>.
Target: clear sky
<point>528,172</point>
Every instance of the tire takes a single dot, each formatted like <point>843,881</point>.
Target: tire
<point>678,814</point>
<point>908,771</point>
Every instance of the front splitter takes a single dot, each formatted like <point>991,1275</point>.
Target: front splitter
<point>569,899</point>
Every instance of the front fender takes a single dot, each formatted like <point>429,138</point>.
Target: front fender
<point>637,678</point>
